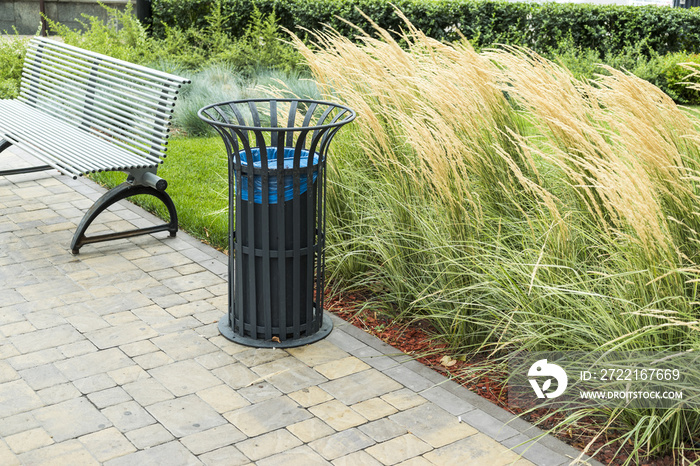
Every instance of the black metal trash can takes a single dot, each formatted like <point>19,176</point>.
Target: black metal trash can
<point>277,169</point>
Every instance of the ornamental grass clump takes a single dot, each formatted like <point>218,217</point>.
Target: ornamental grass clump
<point>517,207</point>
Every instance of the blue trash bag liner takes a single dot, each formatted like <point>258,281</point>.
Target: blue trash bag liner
<point>272,180</point>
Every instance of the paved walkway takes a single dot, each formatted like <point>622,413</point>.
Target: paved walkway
<point>114,357</point>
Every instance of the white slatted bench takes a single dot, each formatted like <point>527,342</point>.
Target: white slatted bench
<point>80,112</point>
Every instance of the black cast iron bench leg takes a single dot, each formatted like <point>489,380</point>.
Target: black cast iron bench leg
<point>113,196</point>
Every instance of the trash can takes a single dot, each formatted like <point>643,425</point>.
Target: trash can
<point>277,152</point>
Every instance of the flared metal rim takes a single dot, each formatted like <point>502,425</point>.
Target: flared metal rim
<point>351,115</point>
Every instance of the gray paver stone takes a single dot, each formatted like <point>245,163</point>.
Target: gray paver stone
<point>191,281</point>
<point>25,361</point>
<point>299,456</point>
<point>477,449</point>
<point>48,338</point>
<point>295,378</point>
<point>382,430</point>
<point>107,444</point>
<point>71,419</point>
<point>259,356</point>
<point>212,439</point>
<point>186,344</point>
<point>448,401</point>
<point>409,378</point>
<point>93,363</point>
<point>153,360</point>
<point>433,425</point>
<point>237,375</point>
<point>489,425</point>
<point>172,454</point>
<point>259,392</point>
<point>353,459</point>
<point>268,444</point>
<point>337,415</point>
<point>148,391</point>
<point>29,440</point>
<point>535,452</point>
<point>360,386</point>
<point>94,383</point>
<point>400,449</point>
<point>184,377</point>
<point>267,416</point>
<point>68,453</point>
<point>128,416</point>
<point>342,340</point>
<point>58,393</point>
<point>341,444</point>
<point>18,423</point>
<point>222,398</point>
<point>121,334</point>
<point>319,353</point>
<point>185,416</point>
<point>17,397</point>
<point>310,430</point>
<point>109,397</point>
<point>149,436</point>
<point>229,456</point>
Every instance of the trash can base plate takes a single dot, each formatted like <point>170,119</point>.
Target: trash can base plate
<point>226,330</point>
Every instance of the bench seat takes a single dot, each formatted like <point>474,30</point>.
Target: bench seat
<point>81,112</point>
<point>62,145</point>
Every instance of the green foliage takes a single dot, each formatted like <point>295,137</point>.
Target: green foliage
<point>676,76</point>
<point>12,51</point>
<point>260,47</point>
<point>604,28</point>
<point>209,40</point>
<point>216,83</point>
<point>668,72</point>
<point>222,82</point>
<point>122,36</point>
<point>191,46</point>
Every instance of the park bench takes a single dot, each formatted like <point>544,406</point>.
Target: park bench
<point>81,112</point>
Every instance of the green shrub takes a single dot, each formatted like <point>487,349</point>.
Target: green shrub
<point>122,36</point>
<point>260,48</point>
<point>676,77</point>
<point>667,72</point>
<point>604,28</point>
<point>12,51</point>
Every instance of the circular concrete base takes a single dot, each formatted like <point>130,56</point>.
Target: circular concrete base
<point>323,332</point>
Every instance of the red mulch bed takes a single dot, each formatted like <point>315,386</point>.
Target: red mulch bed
<point>416,339</point>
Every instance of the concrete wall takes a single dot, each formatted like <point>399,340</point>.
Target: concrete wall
<point>24,14</point>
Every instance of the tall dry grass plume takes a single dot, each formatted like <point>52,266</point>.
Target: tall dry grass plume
<point>624,147</point>
<point>430,111</point>
<point>515,206</point>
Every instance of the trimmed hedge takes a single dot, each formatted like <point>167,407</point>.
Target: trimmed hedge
<point>606,28</point>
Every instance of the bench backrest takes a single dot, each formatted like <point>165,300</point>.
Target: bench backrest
<point>127,104</point>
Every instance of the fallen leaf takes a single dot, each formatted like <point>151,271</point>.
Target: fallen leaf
<point>448,361</point>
